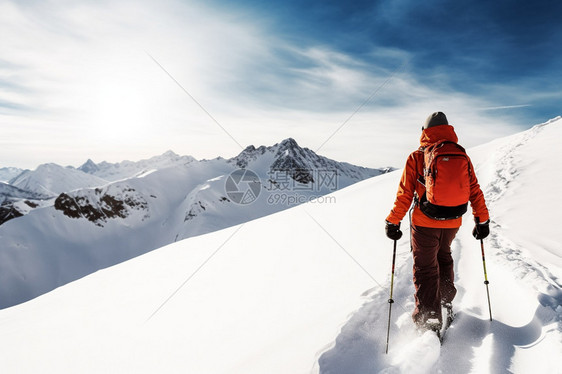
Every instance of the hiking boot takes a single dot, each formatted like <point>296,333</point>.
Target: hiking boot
<point>430,324</point>
<point>448,312</point>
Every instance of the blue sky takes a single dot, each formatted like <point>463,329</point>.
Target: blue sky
<point>486,48</point>
<point>114,80</point>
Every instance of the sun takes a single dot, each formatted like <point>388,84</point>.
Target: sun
<point>120,109</point>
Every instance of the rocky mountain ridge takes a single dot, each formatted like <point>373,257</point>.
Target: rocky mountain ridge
<point>77,190</point>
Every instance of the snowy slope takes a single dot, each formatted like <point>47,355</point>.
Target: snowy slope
<point>15,202</point>
<point>524,263</point>
<point>8,173</point>
<point>266,300</point>
<point>305,290</point>
<point>126,169</point>
<point>52,179</point>
<point>33,189</point>
<point>9,191</point>
<point>88,229</point>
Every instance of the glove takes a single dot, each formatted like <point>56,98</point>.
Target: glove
<point>481,230</point>
<point>393,231</point>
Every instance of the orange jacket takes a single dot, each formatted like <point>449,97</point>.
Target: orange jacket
<point>409,184</point>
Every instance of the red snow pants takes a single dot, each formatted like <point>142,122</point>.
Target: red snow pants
<point>433,271</point>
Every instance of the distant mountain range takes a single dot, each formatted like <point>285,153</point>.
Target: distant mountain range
<point>97,215</point>
<point>23,190</point>
<point>8,173</point>
<point>126,169</point>
<point>52,179</point>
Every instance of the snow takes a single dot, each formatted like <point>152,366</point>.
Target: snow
<point>52,179</point>
<point>305,290</point>
<point>417,356</point>
<point>8,173</point>
<point>87,229</point>
<point>127,169</point>
<point>9,191</point>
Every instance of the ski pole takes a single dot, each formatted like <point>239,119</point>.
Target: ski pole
<point>390,300</point>
<point>486,277</point>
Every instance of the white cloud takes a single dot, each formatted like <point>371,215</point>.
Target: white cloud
<point>87,88</point>
<point>84,71</point>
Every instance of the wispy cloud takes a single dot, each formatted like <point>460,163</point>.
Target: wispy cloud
<point>79,72</point>
<point>507,107</point>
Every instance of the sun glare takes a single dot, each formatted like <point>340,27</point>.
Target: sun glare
<point>119,110</point>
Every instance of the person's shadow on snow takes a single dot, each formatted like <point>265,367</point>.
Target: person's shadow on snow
<point>471,331</point>
<point>357,351</point>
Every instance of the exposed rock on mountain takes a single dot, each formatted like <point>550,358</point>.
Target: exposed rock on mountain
<point>99,205</point>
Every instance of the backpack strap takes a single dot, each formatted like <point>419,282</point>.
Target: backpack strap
<point>420,177</point>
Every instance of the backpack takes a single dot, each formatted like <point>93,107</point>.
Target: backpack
<point>446,174</point>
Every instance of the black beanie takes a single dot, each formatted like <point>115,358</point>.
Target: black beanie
<point>436,119</point>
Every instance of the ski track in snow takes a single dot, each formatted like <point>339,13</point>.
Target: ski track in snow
<point>360,345</point>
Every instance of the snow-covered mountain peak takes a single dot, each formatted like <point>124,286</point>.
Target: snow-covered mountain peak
<point>89,167</point>
<point>249,154</point>
<point>9,173</point>
<point>299,163</point>
<point>278,149</point>
<point>288,144</point>
<point>51,179</point>
<point>282,164</point>
<point>169,154</point>
<point>127,169</point>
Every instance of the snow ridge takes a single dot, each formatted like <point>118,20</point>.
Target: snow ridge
<point>127,169</point>
<point>288,155</point>
<point>15,202</point>
<point>52,179</point>
<point>8,173</point>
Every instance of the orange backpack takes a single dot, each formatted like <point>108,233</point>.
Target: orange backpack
<point>447,181</point>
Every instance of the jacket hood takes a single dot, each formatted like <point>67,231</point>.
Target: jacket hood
<point>437,133</point>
